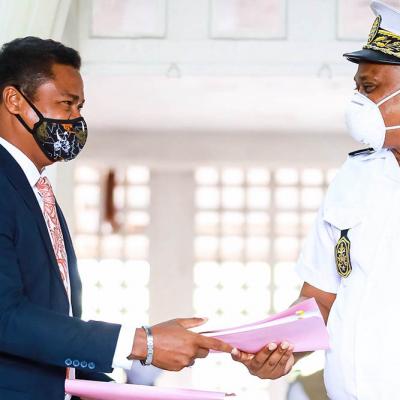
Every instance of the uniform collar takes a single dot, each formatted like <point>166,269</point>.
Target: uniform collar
<point>29,168</point>
<point>383,153</point>
<point>392,168</point>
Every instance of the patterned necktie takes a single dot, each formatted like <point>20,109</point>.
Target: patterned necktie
<point>54,227</point>
<point>56,236</point>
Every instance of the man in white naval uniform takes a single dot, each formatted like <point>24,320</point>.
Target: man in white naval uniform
<point>351,260</point>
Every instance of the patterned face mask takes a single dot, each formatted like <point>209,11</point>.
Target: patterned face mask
<point>59,139</point>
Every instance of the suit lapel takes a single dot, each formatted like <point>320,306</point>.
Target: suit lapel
<point>17,177</point>
<point>75,282</point>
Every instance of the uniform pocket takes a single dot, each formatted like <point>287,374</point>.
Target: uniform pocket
<point>342,218</point>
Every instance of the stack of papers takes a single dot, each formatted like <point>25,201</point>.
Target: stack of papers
<point>116,391</point>
<point>301,325</point>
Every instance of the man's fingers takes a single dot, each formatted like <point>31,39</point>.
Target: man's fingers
<point>265,353</point>
<point>275,361</point>
<point>286,362</point>
<point>236,355</point>
<point>188,323</point>
<point>262,356</point>
<point>202,353</point>
<point>242,357</point>
<point>289,364</point>
<point>283,361</point>
<point>215,344</point>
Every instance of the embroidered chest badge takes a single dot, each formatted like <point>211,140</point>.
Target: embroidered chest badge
<point>342,255</point>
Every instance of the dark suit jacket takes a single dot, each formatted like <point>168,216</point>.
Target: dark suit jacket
<point>38,339</point>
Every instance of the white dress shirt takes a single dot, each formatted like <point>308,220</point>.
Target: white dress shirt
<point>125,338</point>
<point>364,323</point>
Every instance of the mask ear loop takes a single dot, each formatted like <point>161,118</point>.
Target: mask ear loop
<point>26,126</point>
<point>38,113</point>
<point>397,92</point>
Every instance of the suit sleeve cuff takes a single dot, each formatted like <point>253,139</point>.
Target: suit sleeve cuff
<point>124,348</point>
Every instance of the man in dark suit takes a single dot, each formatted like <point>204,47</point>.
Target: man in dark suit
<point>42,338</point>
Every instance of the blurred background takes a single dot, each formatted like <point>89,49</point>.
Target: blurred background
<point>215,127</point>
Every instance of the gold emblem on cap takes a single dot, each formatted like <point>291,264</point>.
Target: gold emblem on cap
<point>385,42</point>
<point>375,28</point>
<point>342,255</point>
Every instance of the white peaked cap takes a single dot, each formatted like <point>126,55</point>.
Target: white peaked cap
<point>390,16</point>
<point>383,46</point>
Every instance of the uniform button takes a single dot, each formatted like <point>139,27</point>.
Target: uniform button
<point>68,362</point>
<point>92,365</point>
<point>76,363</point>
<point>83,364</point>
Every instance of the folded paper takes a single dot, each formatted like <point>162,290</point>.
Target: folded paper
<point>115,391</point>
<point>301,325</point>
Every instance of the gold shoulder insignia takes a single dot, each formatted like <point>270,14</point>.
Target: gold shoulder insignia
<point>342,255</point>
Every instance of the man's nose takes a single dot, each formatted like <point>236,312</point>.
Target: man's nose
<point>76,113</point>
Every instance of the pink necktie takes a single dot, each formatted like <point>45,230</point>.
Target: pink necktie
<point>56,236</point>
<point>53,225</point>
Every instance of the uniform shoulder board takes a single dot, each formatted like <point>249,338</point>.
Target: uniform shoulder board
<point>356,153</point>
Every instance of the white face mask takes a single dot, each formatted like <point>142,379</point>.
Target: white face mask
<point>365,122</point>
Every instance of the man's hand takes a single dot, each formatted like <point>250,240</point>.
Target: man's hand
<point>275,361</point>
<point>175,347</point>
<point>272,362</point>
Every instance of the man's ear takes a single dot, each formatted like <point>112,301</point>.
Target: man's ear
<point>12,99</point>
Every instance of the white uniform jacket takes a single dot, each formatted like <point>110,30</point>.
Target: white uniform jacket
<point>364,322</point>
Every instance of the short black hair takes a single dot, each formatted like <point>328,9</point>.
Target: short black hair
<point>27,63</point>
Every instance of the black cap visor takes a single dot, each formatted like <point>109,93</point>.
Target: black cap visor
<point>373,56</point>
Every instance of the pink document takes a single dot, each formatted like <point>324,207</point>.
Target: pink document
<point>116,391</point>
<point>301,325</point>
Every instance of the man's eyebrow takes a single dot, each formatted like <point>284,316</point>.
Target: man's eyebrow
<point>366,77</point>
<point>75,97</point>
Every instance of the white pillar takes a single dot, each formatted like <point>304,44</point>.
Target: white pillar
<point>171,245</point>
<point>43,18</point>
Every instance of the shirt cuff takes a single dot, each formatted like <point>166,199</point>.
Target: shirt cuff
<point>124,348</point>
